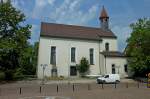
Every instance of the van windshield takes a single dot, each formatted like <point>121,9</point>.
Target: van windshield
<point>106,76</point>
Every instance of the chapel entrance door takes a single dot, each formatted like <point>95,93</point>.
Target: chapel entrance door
<point>73,71</point>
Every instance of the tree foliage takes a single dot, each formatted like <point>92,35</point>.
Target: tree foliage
<point>83,67</point>
<point>14,47</point>
<point>29,61</point>
<point>138,48</point>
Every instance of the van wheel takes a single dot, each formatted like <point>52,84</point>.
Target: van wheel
<point>98,82</point>
<point>104,81</point>
<point>117,81</point>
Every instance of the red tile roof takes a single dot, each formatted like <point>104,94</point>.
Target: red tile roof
<point>72,31</point>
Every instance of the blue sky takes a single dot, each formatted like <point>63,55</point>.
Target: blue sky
<point>85,13</point>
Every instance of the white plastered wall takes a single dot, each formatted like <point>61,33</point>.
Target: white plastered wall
<point>63,52</point>
<point>119,63</point>
<point>112,44</point>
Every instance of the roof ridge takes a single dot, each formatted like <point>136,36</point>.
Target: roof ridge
<point>72,25</point>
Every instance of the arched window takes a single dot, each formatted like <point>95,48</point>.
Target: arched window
<point>107,46</point>
<point>113,69</point>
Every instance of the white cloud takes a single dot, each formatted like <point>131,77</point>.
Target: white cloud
<point>35,33</point>
<point>18,3</point>
<point>51,2</point>
<point>40,3</point>
<point>21,5</point>
<point>74,5</point>
<point>69,13</point>
<point>39,8</point>
<point>5,0</point>
<point>90,14</point>
<point>122,33</point>
<point>15,3</point>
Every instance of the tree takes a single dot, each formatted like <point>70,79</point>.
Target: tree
<point>83,67</point>
<point>35,56</point>
<point>138,48</point>
<point>29,61</point>
<point>13,39</point>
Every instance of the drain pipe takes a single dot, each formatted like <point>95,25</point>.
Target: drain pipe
<point>105,64</point>
<point>99,56</point>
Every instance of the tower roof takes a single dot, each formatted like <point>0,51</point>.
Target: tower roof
<point>104,13</point>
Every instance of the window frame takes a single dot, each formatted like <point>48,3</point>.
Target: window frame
<point>73,55</point>
<point>126,68</point>
<point>91,54</point>
<point>113,69</point>
<point>107,46</point>
<point>53,55</point>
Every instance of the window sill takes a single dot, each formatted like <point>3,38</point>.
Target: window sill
<point>73,62</point>
<point>92,64</point>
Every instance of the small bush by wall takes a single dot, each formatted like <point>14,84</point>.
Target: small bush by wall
<point>2,75</point>
<point>83,67</point>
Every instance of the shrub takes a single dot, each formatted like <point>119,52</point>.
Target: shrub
<point>18,75</point>
<point>9,74</point>
<point>83,67</point>
<point>2,75</point>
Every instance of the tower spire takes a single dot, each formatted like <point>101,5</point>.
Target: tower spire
<point>104,13</point>
<point>104,19</point>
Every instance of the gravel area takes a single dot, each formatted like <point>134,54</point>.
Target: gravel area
<point>75,89</point>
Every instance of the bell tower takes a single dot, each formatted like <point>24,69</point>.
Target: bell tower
<point>104,19</point>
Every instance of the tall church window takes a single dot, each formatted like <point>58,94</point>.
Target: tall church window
<point>113,69</point>
<point>91,56</point>
<point>53,55</point>
<point>73,49</point>
<point>126,68</point>
<point>107,46</point>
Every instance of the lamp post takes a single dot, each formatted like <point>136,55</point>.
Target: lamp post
<point>43,67</point>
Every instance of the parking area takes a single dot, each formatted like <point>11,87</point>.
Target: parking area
<point>77,90</point>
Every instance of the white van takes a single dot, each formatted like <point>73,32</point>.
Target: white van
<point>109,78</point>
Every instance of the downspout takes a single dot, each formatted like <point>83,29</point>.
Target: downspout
<point>99,56</point>
<point>105,65</point>
<point>69,64</point>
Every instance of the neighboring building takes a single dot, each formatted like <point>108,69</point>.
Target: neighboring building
<point>62,46</point>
